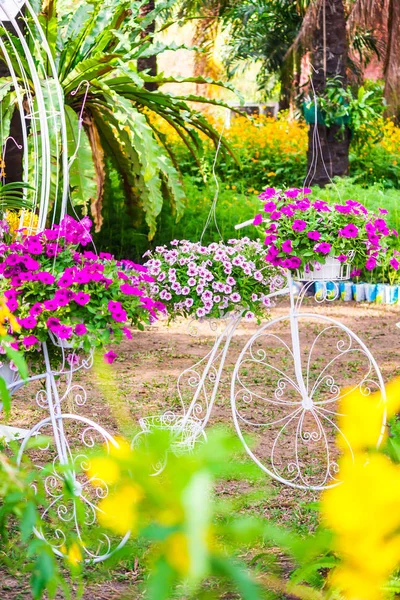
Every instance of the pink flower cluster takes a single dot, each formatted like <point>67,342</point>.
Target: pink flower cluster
<point>79,296</point>
<point>194,279</point>
<point>300,231</point>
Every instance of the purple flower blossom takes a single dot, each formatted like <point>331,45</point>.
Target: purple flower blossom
<point>28,322</point>
<point>287,246</point>
<point>314,235</point>
<point>355,273</point>
<point>257,219</point>
<point>29,341</point>
<point>127,333</point>
<point>349,231</point>
<point>80,329</point>
<point>323,248</point>
<point>275,215</point>
<point>270,207</point>
<point>299,225</point>
<point>109,357</point>
<point>371,263</point>
<point>394,263</point>
<point>81,298</point>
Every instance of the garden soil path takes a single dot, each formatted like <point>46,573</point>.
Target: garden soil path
<point>142,382</point>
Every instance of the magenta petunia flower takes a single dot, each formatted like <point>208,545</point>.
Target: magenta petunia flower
<point>287,246</point>
<point>394,263</point>
<point>257,219</point>
<point>275,215</point>
<point>65,280</point>
<point>349,231</point>
<point>269,239</point>
<point>81,298</point>
<point>64,332</point>
<point>109,357</point>
<point>342,258</point>
<point>28,322</point>
<point>30,340</point>
<point>80,329</point>
<point>295,262</point>
<point>53,323</point>
<point>355,273</point>
<point>131,290</point>
<point>314,235</point>
<point>269,207</point>
<point>50,304</point>
<point>299,225</point>
<point>371,263</point>
<point>45,277</point>
<point>323,248</point>
<point>127,332</point>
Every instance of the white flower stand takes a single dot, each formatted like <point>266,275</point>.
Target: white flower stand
<point>281,391</point>
<point>59,448</point>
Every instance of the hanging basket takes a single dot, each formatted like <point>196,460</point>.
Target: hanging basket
<point>331,270</point>
<point>309,116</point>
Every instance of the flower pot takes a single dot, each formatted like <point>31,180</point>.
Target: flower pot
<point>380,293</point>
<point>358,292</point>
<point>326,290</point>
<point>370,292</point>
<point>331,270</point>
<point>391,294</point>
<point>346,291</point>
<point>10,376</point>
<point>309,116</point>
<point>66,344</point>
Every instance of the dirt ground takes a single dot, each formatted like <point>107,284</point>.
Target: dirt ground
<point>143,381</point>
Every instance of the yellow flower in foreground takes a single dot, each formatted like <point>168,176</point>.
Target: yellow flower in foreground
<point>104,468</point>
<point>363,513</point>
<point>7,319</point>
<point>361,419</point>
<point>119,511</point>
<point>177,552</point>
<point>74,555</point>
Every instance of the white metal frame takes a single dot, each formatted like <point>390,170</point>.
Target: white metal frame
<point>189,425</point>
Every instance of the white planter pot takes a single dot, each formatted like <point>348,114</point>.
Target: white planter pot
<point>331,270</point>
<point>66,344</point>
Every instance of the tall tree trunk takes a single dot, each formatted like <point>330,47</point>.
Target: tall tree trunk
<point>148,63</point>
<point>392,62</point>
<point>328,152</point>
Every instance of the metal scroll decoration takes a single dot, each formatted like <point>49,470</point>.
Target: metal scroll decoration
<point>285,392</point>
<point>62,460</point>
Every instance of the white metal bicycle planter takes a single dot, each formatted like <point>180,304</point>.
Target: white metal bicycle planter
<point>62,460</point>
<point>280,386</point>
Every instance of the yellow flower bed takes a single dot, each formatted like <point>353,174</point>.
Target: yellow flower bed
<point>29,221</point>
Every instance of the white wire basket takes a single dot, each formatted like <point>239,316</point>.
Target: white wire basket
<point>331,270</point>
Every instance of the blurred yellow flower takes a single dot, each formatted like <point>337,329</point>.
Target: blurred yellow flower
<point>271,174</point>
<point>74,555</point>
<point>363,513</point>
<point>361,419</point>
<point>119,511</point>
<point>104,468</point>
<point>7,319</point>
<point>177,552</point>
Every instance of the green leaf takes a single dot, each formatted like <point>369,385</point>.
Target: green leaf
<point>82,173</point>
<point>28,521</point>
